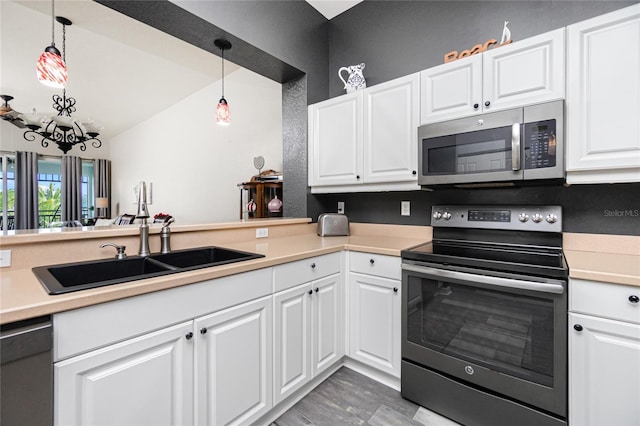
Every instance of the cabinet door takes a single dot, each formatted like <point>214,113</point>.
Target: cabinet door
<point>374,321</point>
<point>335,141</point>
<point>292,341</point>
<point>525,72</point>
<point>147,380</point>
<point>451,90</point>
<point>604,372</point>
<point>327,325</point>
<point>603,112</point>
<point>233,364</point>
<point>391,115</point>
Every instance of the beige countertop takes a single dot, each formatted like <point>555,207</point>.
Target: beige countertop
<point>22,296</point>
<point>608,258</point>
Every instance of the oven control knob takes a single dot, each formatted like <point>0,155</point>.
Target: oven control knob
<point>552,218</point>
<point>537,218</point>
<point>437,215</point>
<point>446,215</point>
<point>523,217</point>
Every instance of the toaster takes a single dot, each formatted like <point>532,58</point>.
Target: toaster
<point>333,224</point>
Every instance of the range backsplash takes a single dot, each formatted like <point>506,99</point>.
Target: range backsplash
<point>595,209</point>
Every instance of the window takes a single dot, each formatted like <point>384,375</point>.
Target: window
<point>87,190</point>
<point>49,191</point>
<point>7,192</point>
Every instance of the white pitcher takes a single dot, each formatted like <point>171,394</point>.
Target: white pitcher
<point>356,80</point>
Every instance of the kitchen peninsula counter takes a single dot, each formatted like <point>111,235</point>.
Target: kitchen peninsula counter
<point>608,258</point>
<point>22,296</point>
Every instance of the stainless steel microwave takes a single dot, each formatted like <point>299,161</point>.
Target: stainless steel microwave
<point>494,149</point>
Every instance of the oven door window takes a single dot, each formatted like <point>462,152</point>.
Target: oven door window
<point>505,332</point>
<point>482,151</point>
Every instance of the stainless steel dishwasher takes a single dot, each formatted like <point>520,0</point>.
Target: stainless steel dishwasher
<point>26,372</point>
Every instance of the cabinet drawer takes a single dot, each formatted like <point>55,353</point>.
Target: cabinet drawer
<point>375,264</point>
<point>302,271</point>
<point>605,300</point>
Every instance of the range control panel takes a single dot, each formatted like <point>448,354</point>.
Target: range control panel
<point>517,218</point>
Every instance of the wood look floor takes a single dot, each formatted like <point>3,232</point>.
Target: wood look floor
<point>349,398</point>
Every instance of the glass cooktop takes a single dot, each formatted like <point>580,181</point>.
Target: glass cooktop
<point>540,261</point>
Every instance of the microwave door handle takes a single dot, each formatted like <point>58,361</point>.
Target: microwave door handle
<point>515,147</point>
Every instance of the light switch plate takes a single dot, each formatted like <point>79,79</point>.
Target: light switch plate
<point>5,258</point>
<point>405,208</point>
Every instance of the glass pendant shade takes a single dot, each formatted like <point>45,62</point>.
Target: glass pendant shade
<point>223,116</point>
<point>51,69</point>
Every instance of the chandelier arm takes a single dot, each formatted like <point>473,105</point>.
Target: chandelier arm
<point>96,143</point>
<point>29,136</point>
<point>79,135</point>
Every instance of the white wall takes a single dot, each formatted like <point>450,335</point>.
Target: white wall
<point>194,164</point>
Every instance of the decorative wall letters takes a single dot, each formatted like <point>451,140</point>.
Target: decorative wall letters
<point>479,48</point>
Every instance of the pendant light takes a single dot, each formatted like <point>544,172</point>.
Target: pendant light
<point>50,68</point>
<point>223,117</point>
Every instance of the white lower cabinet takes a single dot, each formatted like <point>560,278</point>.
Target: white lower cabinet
<point>234,364</point>
<point>308,333</point>
<point>374,312</point>
<point>604,354</point>
<point>147,380</point>
<point>150,380</point>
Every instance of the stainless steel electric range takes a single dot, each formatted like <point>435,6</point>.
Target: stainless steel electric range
<point>484,316</point>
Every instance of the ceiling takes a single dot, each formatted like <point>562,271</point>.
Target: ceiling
<point>121,71</point>
<point>332,8</point>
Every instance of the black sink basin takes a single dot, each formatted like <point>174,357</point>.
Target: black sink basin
<point>203,257</point>
<point>58,279</point>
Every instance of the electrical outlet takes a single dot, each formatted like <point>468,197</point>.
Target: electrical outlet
<point>341,207</point>
<point>5,258</point>
<point>262,232</point>
<point>405,208</point>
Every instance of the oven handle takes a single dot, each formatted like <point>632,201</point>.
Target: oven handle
<point>484,279</point>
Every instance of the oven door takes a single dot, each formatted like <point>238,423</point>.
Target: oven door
<point>505,334</point>
<point>472,150</point>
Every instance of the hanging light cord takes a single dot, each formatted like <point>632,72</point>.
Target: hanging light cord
<point>223,72</point>
<point>64,43</point>
<point>53,23</point>
<point>64,55</point>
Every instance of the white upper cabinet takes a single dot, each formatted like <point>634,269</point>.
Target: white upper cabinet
<point>526,72</point>
<point>366,140</point>
<point>335,141</point>
<point>391,116</point>
<point>603,92</point>
<point>451,90</point>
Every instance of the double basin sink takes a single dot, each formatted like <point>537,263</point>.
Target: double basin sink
<point>59,279</point>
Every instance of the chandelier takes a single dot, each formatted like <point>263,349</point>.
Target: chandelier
<point>61,129</point>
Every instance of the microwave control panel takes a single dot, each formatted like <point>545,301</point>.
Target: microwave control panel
<point>540,144</point>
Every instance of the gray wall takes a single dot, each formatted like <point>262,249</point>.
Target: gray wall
<point>292,31</point>
<point>290,42</point>
<point>396,38</point>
